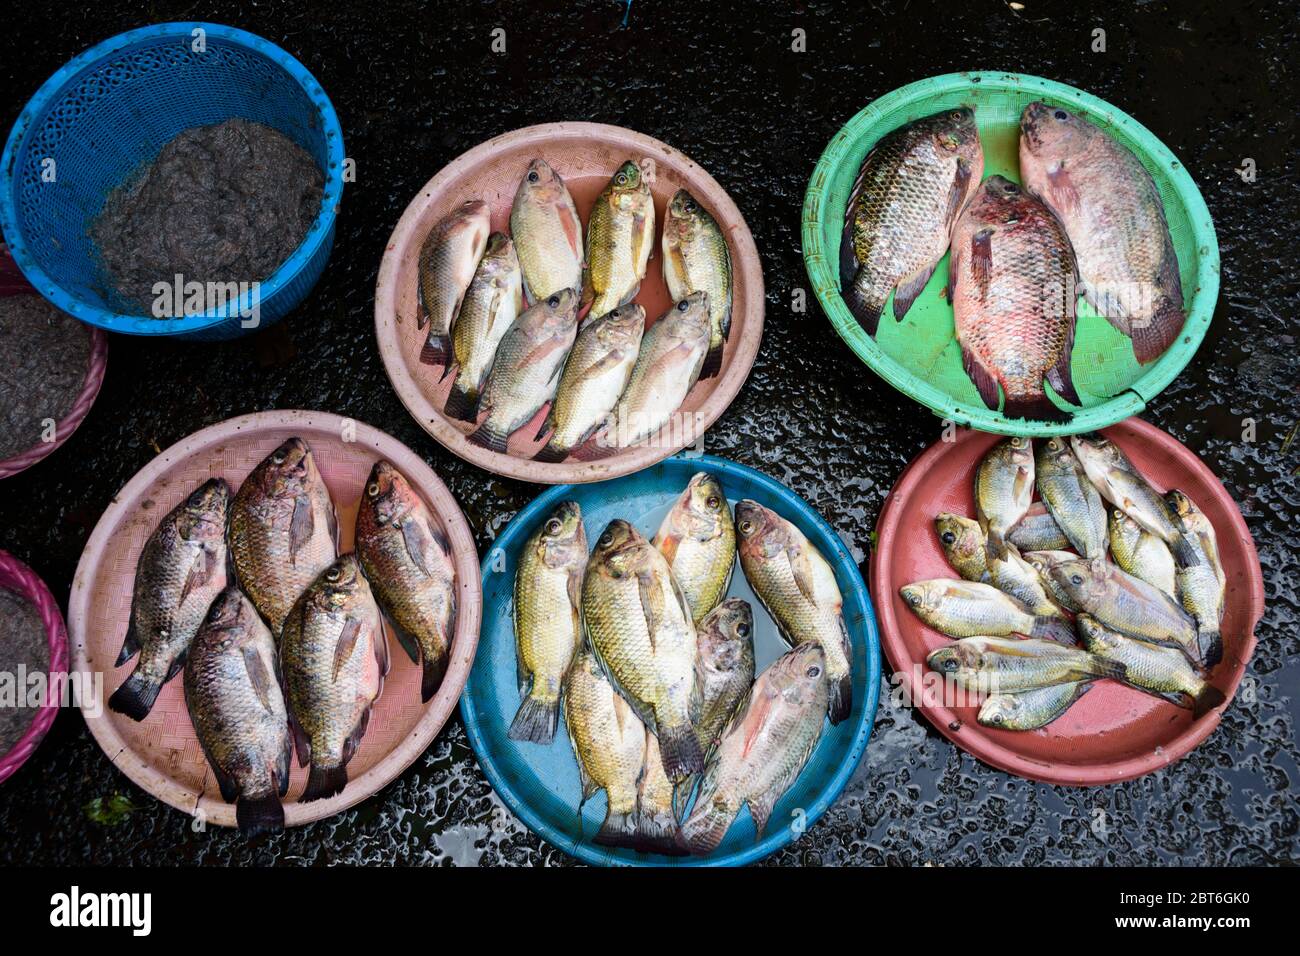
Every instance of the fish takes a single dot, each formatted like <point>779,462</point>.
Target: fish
<point>527,368</point>
<point>1031,709</point>
<point>764,748</point>
<point>1038,531</point>
<point>1011,285</point>
<point>638,624</point>
<point>620,241</point>
<point>698,540</point>
<point>181,568</point>
<point>969,609</point>
<point>609,742</point>
<point>547,618</point>
<point>594,377</point>
<point>696,259</point>
<point>797,587</point>
<point>725,666</point>
<point>1111,210</point>
<point>1120,483</point>
<point>491,305</point>
<point>656,820</point>
<point>283,530</point>
<point>1004,487</point>
<point>1002,665</point>
<point>667,367</point>
<point>1200,587</point>
<point>449,257</point>
<point>547,233</point>
<point>1127,604</point>
<point>1141,553</point>
<point>1163,671</point>
<point>963,544</point>
<point>407,560</point>
<point>1071,498</point>
<point>1043,562</point>
<point>334,657</point>
<point>1014,576</point>
<point>909,192</point>
<point>236,704</point>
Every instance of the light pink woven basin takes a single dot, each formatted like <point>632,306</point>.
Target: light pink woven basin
<point>13,282</point>
<point>22,580</point>
<point>586,155</point>
<point>161,753</point>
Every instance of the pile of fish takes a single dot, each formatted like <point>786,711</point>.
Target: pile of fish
<point>1088,221</point>
<point>1040,612</point>
<point>581,345</point>
<point>653,668</point>
<point>279,636</point>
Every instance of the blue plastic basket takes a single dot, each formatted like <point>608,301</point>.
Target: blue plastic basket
<point>540,783</point>
<point>111,110</point>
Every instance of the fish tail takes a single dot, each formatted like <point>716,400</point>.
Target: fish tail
<point>680,750</point>
<point>658,833</point>
<point>433,670</point>
<point>1209,698</point>
<point>485,436</point>
<point>258,815</point>
<point>1038,407</point>
<point>535,720</point>
<point>706,826</point>
<point>865,306</point>
<point>1053,628</point>
<point>551,452</point>
<point>437,350</point>
<point>712,362</point>
<point>1152,337</point>
<point>841,698</point>
<point>618,829</point>
<point>324,782</point>
<point>135,697</point>
<point>461,405</point>
<point>1209,644</point>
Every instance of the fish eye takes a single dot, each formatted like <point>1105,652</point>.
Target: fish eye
<point>688,204</point>
<point>913,599</point>
<point>746,527</point>
<point>532,176</point>
<point>372,489</point>
<point>332,574</point>
<point>1061,114</point>
<point>742,630</point>
<point>996,719</point>
<point>1011,188</point>
<point>713,502</point>
<point>554,526</point>
<point>607,538</point>
<point>683,305</point>
<point>956,114</point>
<point>948,537</point>
<point>814,671</point>
<point>1076,578</point>
<point>278,458</point>
<point>621,179</point>
<point>553,301</point>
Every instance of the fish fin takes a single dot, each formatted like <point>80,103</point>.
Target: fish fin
<point>421,313</point>
<point>1052,628</point>
<point>347,644</point>
<point>652,603</point>
<point>910,288</point>
<point>712,361</point>
<point>707,825</point>
<point>658,833</point>
<point>1209,645</point>
<point>177,665</point>
<point>432,672</point>
<point>957,193</point>
<point>490,438</point>
<point>981,260</point>
<point>301,526</point>
<point>865,304</point>
<point>980,377</point>
<point>572,228</point>
<point>1061,190</point>
<point>283,762</point>
<point>801,568</point>
<point>546,425</point>
<point>416,538</point>
<point>1037,407</point>
<point>840,704</point>
<point>405,640</point>
<point>452,366</point>
<point>680,750</point>
<point>617,830</point>
<point>324,782</point>
<point>667,546</point>
<point>1061,379</point>
<point>136,697</point>
<point>461,405</point>
<point>301,742</point>
<point>950,290</point>
<point>200,570</point>
<point>261,679</point>
<point>436,350</point>
<point>535,721</point>
<point>225,783</point>
<point>1108,668</point>
<point>130,644</point>
<point>258,815</point>
<point>1151,337</point>
<point>1184,552</point>
<point>1207,700</point>
<point>551,453</point>
<point>760,811</point>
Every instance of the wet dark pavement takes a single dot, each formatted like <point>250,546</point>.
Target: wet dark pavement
<point>415,86</point>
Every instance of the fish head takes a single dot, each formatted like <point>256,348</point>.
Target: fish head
<point>1055,453</point>
<point>203,516</point>
<point>286,471</point>
<point>628,181</point>
<point>762,534</point>
<point>685,217</point>
<point>799,675</point>
<point>620,550</point>
<point>1020,451</point>
<point>557,313</point>
<point>1052,133</point>
<point>955,657</point>
<point>958,534</point>
<point>726,635</point>
<point>954,131</point>
<point>473,215</point>
<point>689,317</point>
<point>388,495</point>
<point>561,539</point>
<point>1000,202</point>
<point>1084,581</point>
<point>1094,635</point>
<point>621,326</point>
<point>228,611</point>
<point>921,595</point>
<point>702,507</point>
<point>499,254</point>
<point>1097,454</point>
<point>1003,709</point>
<point>541,184</point>
<point>339,584</point>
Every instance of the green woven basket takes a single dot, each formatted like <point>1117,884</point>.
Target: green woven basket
<point>920,355</point>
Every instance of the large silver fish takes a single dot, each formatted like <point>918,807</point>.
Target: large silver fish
<point>1201,587</point>
<point>725,668</point>
<point>1163,671</point>
<point>1070,497</point>
<point>448,258</point>
<point>1010,665</point>
<point>969,608</point>
<point>547,232</point>
<point>696,259</point>
<point>698,539</point>
<point>1004,487</point>
<point>491,305</point>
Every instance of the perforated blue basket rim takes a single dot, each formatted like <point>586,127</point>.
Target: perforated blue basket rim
<point>827,541</point>
<point>319,232</point>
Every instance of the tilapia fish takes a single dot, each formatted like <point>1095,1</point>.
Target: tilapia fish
<point>969,608</point>
<point>1120,483</point>
<point>334,657</point>
<point>1127,604</point>
<point>798,588</point>
<point>547,619</point>
<point>1201,587</point>
<point>698,539</point>
<point>639,625</point>
<point>1141,553</point>
<point>672,353</point>
<point>181,568</point>
<point>1004,487</point>
<point>527,368</point>
<point>595,375</point>
<point>909,192</point>
<point>448,258</point>
<point>1111,210</point>
<point>1011,284</point>
<point>1038,531</point>
<point>283,530</point>
<point>696,259</point>
<point>547,232</point>
<point>1071,498</point>
<point>1002,665</point>
<point>1031,709</point>
<point>964,545</point>
<point>620,240</point>
<point>765,746</point>
<point>1163,671</point>
<point>725,668</point>
<point>407,560</point>
<point>492,303</point>
<point>237,708</point>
